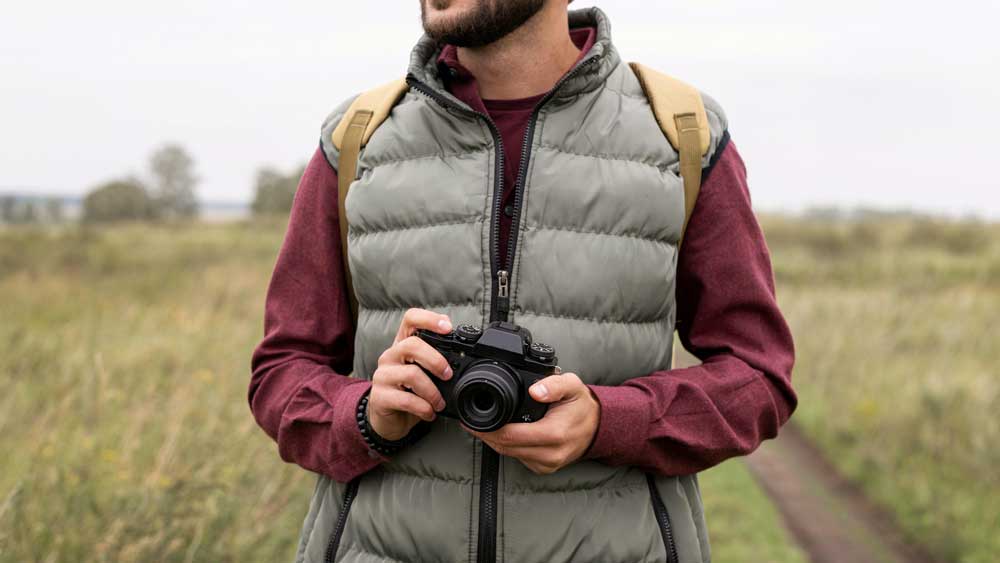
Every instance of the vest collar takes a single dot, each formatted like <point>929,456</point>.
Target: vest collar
<point>589,73</point>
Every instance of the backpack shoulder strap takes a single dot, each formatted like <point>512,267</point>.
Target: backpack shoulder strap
<point>680,112</point>
<point>362,118</point>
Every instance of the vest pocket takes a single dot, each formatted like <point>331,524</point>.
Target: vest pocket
<point>662,520</point>
<point>338,529</point>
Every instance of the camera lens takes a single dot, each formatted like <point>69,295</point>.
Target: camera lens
<point>487,396</point>
<point>483,402</point>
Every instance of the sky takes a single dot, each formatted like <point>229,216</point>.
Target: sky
<point>890,104</point>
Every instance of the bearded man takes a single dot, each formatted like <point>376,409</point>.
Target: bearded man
<point>520,180</point>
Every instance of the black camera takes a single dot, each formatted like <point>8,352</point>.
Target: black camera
<point>493,369</point>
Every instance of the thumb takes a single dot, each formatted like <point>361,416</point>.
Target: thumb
<point>556,388</point>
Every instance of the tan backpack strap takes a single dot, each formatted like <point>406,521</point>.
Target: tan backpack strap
<point>362,118</point>
<point>691,153</point>
<point>680,113</point>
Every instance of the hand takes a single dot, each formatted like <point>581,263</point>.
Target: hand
<point>402,394</point>
<point>561,437</point>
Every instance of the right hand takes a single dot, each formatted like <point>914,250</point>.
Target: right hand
<point>402,394</point>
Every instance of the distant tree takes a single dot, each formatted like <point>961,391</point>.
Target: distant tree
<point>119,200</point>
<point>174,182</point>
<point>8,209</point>
<point>54,210</point>
<point>274,191</point>
<point>29,213</point>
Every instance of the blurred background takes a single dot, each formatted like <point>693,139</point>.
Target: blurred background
<point>151,151</point>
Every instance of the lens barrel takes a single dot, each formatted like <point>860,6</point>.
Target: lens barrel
<point>487,396</point>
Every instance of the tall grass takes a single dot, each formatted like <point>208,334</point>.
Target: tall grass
<point>124,424</point>
<point>897,371</point>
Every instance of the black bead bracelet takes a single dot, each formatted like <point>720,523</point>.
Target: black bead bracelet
<point>379,444</point>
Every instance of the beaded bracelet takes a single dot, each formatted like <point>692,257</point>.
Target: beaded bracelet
<point>378,443</point>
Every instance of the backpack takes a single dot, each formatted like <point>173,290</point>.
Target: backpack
<point>677,107</point>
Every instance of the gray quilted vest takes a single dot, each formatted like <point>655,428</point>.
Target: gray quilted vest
<point>593,255</point>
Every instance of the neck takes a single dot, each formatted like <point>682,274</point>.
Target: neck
<point>528,61</point>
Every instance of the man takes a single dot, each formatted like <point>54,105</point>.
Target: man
<point>522,177</point>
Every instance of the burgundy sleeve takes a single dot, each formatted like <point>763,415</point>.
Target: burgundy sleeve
<point>682,421</point>
<point>297,393</point>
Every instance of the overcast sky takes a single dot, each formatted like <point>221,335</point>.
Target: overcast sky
<point>893,103</point>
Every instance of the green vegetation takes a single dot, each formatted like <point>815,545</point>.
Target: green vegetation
<point>742,523</point>
<point>274,191</point>
<point>172,195</point>
<point>25,211</point>
<point>126,434</point>
<point>123,422</point>
<point>124,415</point>
<point>118,200</point>
<point>895,325</point>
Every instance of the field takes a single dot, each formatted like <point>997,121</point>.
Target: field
<point>124,420</point>
<point>126,435</point>
<point>897,370</point>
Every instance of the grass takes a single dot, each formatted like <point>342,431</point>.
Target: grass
<point>742,523</point>
<point>897,355</point>
<point>124,424</point>
<point>124,417</point>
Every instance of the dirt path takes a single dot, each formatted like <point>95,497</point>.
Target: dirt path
<point>831,518</point>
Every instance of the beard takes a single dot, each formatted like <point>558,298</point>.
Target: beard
<point>486,22</point>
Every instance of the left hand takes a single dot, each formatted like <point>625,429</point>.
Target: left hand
<point>561,437</point>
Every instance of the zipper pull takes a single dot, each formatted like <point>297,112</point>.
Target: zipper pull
<point>503,299</point>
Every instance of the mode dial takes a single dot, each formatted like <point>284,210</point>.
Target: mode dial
<point>542,352</point>
<point>468,333</point>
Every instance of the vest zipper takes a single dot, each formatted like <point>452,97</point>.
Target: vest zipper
<point>503,293</point>
<point>529,133</point>
<point>490,465</point>
<point>338,530</point>
<point>663,519</point>
<point>500,303</point>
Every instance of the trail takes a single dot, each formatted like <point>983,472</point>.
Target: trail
<point>828,516</point>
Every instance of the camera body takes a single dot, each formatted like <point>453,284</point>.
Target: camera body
<point>493,368</point>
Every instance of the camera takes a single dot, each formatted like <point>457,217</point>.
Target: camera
<point>493,368</point>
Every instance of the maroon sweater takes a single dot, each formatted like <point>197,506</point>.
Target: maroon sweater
<point>670,422</point>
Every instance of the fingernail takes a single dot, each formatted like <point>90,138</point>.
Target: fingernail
<point>447,372</point>
<point>444,324</point>
<point>440,406</point>
<point>539,391</point>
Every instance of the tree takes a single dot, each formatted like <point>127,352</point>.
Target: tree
<point>54,210</point>
<point>274,191</point>
<point>8,209</point>
<point>119,200</point>
<point>174,181</point>
<point>29,213</point>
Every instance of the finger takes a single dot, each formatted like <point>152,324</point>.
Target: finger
<point>412,378</point>
<point>414,350</point>
<point>540,468</point>
<point>520,434</point>
<point>541,459</point>
<point>397,400</point>
<point>557,388</point>
<point>422,318</point>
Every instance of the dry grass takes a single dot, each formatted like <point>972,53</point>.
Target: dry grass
<point>124,420</point>
<point>895,326</point>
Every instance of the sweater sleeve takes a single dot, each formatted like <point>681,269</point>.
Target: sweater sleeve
<point>682,421</point>
<point>298,391</point>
